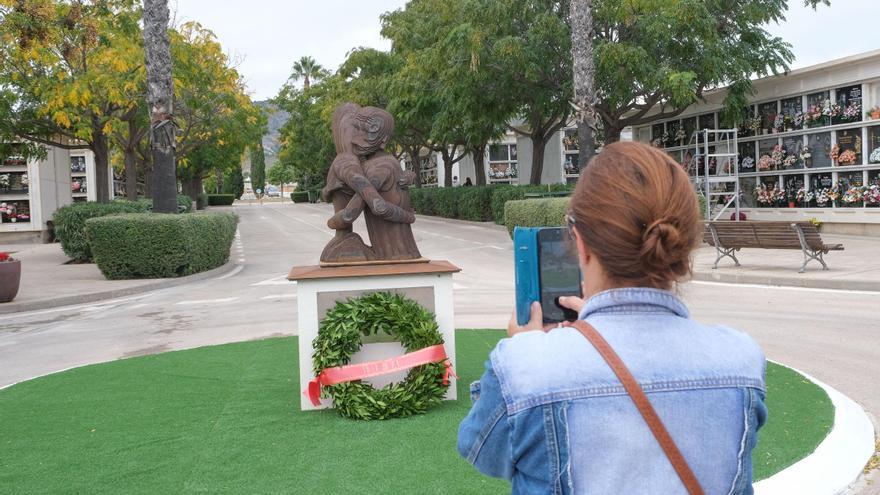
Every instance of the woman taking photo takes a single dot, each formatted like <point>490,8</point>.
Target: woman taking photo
<point>635,397</point>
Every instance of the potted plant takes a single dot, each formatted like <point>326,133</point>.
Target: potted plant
<point>873,113</point>
<point>872,195</point>
<point>10,277</point>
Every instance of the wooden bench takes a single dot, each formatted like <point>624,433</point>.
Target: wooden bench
<point>729,237</point>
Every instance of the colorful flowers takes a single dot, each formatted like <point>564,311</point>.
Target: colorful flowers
<point>874,157</point>
<point>778,122</point>
<point>835,153</point>
<point>821,196</point>
<point>872,194</point>
<point>873,113</point>
<point>4,256</point>
<point>748,163</point>
<point>765,163</point>
<point>852,195</point>
<point>804,196</point>
<point>681,136</point>
<point>789,161</point>
<point>806,153</point>
<point>848,157</point>
<point>851,112</point>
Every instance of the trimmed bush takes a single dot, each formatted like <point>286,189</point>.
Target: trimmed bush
<point>149,245</point>
<point>299,196</point>
<point>70,222</point>
<point>184,203</point>
<point>447,202</point>
<point>544,212</point>
<point>314,195</point>
<point>220,199</point>
<point>424,200</point>
<point>500,196</point>
<point>475,203</point>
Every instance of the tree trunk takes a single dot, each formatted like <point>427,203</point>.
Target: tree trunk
<point>612,134</point>
<point>447,166</point>
<point>539,142</point>
<point>218,174</point>
<point>416,164</point>
<point>584,70</point>
<point>160,90</point>
<point>100,147</point>
<point>193,187</point>
<point>479,155</point>
<point>130,175</point>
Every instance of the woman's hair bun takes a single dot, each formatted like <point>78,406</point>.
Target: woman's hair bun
<point>662,245</point>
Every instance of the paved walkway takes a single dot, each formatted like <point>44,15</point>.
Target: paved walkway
<point>857,267</point>
<point>48,280</point>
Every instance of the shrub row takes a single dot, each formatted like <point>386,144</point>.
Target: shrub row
<point>299,196</point>
<point>544,212</point>
<point>70,223</point>
<point>478,203</point>
<point>220,199</point>
<point>140,245</point>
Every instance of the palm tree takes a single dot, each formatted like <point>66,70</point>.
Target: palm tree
<point>307,69</point>
<point>584,69</point>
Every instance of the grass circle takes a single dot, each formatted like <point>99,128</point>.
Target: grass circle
<point>226,419</point>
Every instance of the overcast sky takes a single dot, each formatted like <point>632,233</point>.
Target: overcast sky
<point>266,36</point>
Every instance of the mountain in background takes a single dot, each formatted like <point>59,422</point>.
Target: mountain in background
<point>271,140</point>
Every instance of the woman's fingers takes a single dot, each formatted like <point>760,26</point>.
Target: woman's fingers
<point>571,302</point>
<point>536,321</point>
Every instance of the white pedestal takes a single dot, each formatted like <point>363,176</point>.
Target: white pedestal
<point>318,289</point>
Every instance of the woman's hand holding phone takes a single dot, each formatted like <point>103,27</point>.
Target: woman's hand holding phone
<point>536,316</point>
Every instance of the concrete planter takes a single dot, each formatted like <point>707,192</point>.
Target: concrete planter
<point>10,277</point>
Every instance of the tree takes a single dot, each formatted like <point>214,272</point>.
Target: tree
<point>258,166</point>
<point>655,58</point>
<point>524,46</point>
<point>584,69</point>
<point>160,94</point>
<point>67,71</point>
<point>307,69</point>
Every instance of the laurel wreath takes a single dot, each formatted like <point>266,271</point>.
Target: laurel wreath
<point>339,338</point>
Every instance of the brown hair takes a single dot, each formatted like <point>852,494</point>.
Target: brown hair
<point>636,210</point>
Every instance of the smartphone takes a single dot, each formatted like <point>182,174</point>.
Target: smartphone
<point>546,269</point>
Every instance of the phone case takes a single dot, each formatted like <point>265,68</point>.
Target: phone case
<point>528,287</point>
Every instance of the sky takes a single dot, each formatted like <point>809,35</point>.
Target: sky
<point>265,37</point>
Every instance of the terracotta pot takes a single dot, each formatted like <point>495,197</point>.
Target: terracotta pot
<point>875,115</point>
<point>791,204</point>
<point>10,277</point>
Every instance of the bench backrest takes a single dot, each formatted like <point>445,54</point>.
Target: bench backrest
<point>767,235</point>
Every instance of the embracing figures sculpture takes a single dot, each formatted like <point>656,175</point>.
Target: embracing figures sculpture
<point>364,178</point>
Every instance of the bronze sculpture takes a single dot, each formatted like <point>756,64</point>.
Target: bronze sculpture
<point>364,178</point>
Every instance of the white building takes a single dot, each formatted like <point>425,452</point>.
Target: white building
<point>823,122</point>
<point>31,190</point>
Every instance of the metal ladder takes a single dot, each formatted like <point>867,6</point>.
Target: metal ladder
<point>706,181</point>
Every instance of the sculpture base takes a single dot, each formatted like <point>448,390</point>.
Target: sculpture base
<point>327,264</point>
<point>319,288</point>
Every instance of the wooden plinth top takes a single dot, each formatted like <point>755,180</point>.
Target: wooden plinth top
<point>316,272</point>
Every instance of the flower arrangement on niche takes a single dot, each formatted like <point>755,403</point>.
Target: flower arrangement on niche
<point>847,157</point>
<point>765,163</point>
<point>778,122</point>
<point>874,157</point>
<point>851,112</point>
<point>804,196</point>
<point>748,163</point>
<point>681,136</point>
<point>873,113</point>
<point>853,195</point>
<point>872,195</point>
<point>834,154</point>
<point>821,197</point>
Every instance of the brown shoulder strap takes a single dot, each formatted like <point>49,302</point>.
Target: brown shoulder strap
<point>644,406</point>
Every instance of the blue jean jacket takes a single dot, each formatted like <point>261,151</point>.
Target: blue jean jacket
<point>550,416</point>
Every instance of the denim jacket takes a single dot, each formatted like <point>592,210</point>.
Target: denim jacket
<point>550,416</point>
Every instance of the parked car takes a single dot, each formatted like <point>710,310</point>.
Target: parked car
<point>273,192</point>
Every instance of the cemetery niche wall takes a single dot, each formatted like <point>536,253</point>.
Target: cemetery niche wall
<point>809,146</point>
<point>376,321</point>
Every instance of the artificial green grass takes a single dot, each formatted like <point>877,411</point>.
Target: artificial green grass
<point>226,419</point>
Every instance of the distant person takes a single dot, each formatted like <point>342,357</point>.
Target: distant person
<point>551,416</point>
<point>467,182</point>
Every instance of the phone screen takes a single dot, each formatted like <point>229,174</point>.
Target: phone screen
<point>558,272</point>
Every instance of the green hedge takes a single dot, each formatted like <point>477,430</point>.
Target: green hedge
<point>141,245</point>
<point>478,203</point>
<point>299,196</point>
<point>69,222</point>
<point>220,199</point>
<point>184,203</point>
<point>543,212</point>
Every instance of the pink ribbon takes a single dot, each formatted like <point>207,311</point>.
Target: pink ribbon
<point>351,372</point>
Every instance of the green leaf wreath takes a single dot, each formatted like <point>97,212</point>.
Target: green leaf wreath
<point>339,337</point>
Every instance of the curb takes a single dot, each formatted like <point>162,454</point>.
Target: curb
<point>837,462</point>
<point>161,283</point>
<point>785,281</point>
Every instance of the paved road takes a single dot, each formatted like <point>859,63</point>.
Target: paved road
<point>833,335</point>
